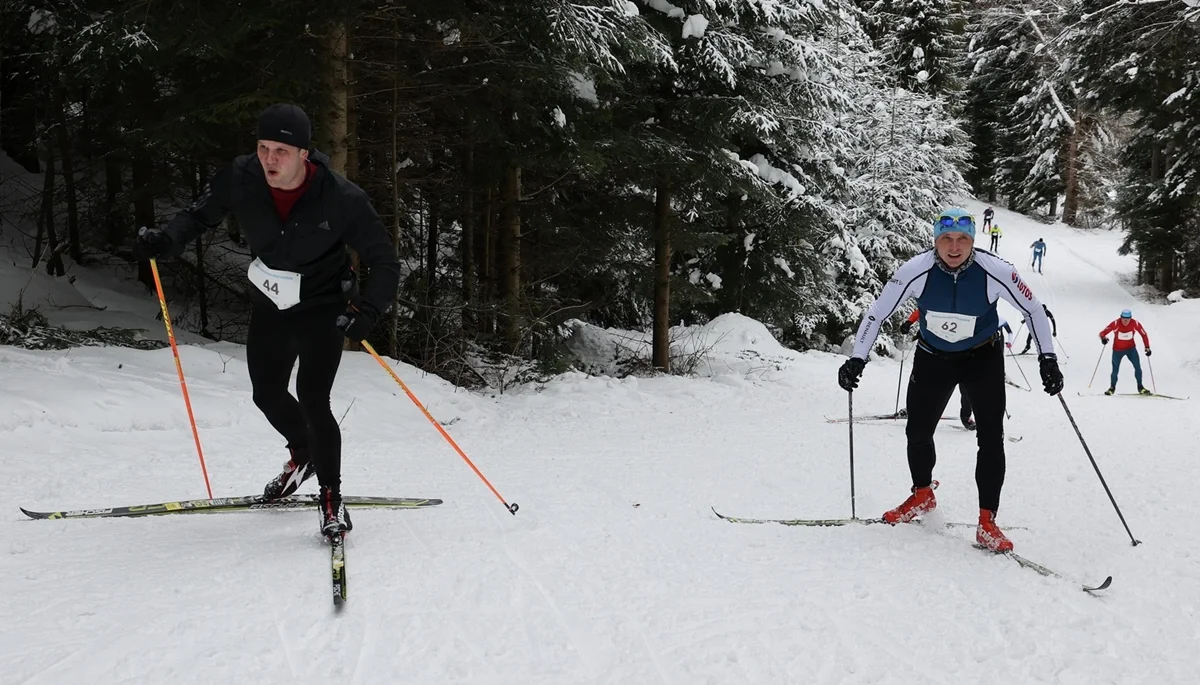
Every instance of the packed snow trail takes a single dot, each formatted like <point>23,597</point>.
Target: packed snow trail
<point>615,570</point>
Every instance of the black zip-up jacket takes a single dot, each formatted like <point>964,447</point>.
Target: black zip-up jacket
<point>332,214</point>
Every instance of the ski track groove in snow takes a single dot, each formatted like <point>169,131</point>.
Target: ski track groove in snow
<point>614,571</point>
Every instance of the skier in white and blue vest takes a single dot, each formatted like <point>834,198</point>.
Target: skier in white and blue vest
<point>957,287</point>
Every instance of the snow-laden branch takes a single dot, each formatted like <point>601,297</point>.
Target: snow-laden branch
<point>1049,83</point>
<point>1120,3</point>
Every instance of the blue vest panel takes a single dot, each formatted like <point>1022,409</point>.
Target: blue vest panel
<point>963,293</point>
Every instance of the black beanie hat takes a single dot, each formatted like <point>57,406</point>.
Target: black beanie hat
<point>286,124</point>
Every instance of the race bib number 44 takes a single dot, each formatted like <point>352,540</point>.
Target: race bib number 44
<point>950,327</point>
<point>283,287</point>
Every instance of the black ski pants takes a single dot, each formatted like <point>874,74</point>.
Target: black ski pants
<point>277,339</point>
<point>979,374</point>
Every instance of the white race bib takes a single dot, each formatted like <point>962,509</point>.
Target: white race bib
<point>283,287</point>
<point>950,327</point>
<point>1124,335</point>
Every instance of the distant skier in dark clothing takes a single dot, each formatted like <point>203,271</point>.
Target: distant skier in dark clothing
<point>1029,335</point>
<point>987,219</point>
<point>298,216</point>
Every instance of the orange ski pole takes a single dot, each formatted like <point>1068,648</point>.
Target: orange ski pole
<point>512,508</point>
<point>162,302</point>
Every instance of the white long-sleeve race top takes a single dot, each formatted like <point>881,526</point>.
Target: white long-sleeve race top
<point>958,308</point>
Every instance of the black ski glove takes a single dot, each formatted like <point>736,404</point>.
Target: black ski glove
<point>905,327</point>
<point>1103,340</point>
<point>1147,351</point>
<point>153,243</point>
<point>849,373</point>
<point>1052,378</point>
<point>357,323</point>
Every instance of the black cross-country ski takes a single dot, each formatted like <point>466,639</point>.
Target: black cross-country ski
<point>1134,394</point>
<point>1010,438</point>
<point>229,504</point>
<point>880,417</point>
<point>1018,387</point>
<point>337,554</point>
<point>821,523</point>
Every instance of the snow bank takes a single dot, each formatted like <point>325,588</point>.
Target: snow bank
<point>730,343</point>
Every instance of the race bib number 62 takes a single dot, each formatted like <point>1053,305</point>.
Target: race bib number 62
<point>950,327</point>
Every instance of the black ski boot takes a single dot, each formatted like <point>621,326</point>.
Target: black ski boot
<point>297,470</point>
<point>967,421</point>
<point>334,516</point>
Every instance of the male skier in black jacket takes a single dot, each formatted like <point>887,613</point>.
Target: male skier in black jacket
<point>298,216</point>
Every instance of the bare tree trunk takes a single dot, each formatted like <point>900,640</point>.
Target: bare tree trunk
<point>46,213</point>
<point>431,262</point>
<point>54,264</point>
<point>468,240</point>
<point>199,177</point>
<point>143,205</point>
<point>68,168</point>
<point>661,344</point>
<point>334,123</point>
<point>486,264</point>
<point>1054,205</point>
<point>336,117</point>
<point>114,210</point>
<point>395,316</point>
<point>351,119</point>
<point>533,276</point>
<point>509,252</point>
<point>1070,215</point>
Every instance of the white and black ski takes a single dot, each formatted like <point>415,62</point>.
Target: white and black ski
<point>1022,561</point>
<point>823,523</point>
<point>230,504</point>
<point>337,556</point>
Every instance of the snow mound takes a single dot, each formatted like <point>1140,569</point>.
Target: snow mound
<point>729,344</point>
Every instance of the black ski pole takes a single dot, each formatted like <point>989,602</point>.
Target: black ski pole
<point>900,382</point>
<point>1097,366</point>
<point>850,400</point>
<point>1136,542</point>
<point>1014,358</point>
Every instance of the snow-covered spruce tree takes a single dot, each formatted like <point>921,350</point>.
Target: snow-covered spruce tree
<point>996,65</point>
<point>1043,119</point>
<point>900,154</point>
<point>1143,59</point>
<point>721,142</point>
<point>921,40</point>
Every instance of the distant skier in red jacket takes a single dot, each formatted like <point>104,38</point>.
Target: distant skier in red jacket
<point>1124,346</point>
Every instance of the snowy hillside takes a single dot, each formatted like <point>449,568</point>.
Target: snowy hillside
<point>614,570</point>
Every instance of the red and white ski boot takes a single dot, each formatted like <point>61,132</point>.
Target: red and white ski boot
<point>920,502</point>
<point>989,535</point>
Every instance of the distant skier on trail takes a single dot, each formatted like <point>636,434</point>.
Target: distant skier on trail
<point>995,233</point>
<point>1029,336</point>
<point>1124,346</point>
<point>957,289</point>
<point>987,219</point>
<point>1039,249</point>
<point>298,215</point>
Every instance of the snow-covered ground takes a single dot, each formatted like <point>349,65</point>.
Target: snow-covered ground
<point>614,570</point>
